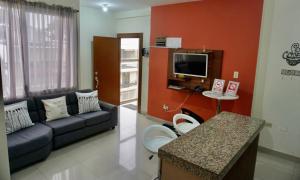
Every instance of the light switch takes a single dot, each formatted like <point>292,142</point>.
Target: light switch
<point>235,74</point>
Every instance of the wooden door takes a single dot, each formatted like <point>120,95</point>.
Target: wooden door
<point>107,68</point>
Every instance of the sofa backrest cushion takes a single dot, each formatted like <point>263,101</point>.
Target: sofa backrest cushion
<point>71,100</point>
<point>41,107</point>
<point>32,109</point>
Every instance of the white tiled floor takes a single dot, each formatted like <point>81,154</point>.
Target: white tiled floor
<point>119,155</point>
<point>276,168</point>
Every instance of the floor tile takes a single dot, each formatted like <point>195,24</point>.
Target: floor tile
<point>56,163</point>
<point>265,171</point>
<point>280,163</point>
<point>296,177</point>
<point>272,167</point>
<point>297,167</point>
<point>30,173</point>
<point>76,172</point>
<point>296,174</point>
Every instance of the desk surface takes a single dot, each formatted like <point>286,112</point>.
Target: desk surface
<point>211,149</point>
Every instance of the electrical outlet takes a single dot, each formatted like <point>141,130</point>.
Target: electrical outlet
<point>235,74</point>
<point>165,107</point>
<point>283,129</point>
<point>268,124</point>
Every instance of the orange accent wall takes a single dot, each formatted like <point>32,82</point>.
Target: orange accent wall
<point>231,25</point>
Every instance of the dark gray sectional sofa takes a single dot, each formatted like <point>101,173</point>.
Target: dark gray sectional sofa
<point>35,143</point>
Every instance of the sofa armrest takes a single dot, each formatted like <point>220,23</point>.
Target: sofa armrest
<point>107,106</point>
<point>112,109</point>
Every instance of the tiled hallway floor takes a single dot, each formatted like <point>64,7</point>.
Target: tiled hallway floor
<point>119,155</point>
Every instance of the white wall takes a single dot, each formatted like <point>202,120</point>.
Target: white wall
<point>277,97</point>
<point>137,21</point>
<point>145,81</point>
<point>264,45</point>
<point>93,22</point>
<point>4,164</point>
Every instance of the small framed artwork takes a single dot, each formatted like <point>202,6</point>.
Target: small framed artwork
<point>218,86</point>
<point>232,88</point>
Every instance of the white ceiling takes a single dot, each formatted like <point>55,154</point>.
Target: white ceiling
<point>124,5</point>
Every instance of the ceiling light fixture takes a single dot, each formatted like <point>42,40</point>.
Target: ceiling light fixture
<point>105,7</point>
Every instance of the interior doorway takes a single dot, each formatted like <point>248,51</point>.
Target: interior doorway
<point>131,69</point>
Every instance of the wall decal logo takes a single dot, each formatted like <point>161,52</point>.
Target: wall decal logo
<point>292,57</point>
<point>288,72</point>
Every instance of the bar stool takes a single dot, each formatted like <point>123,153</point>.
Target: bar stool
<point>187,125</point>
<point>156,136</point>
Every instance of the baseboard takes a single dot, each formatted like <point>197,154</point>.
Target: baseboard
<point>156,119</point>
<point>143,113</point>
<point>279,154</point>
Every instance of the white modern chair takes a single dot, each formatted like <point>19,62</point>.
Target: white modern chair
<point>155,136</point>
<point>184,127</point>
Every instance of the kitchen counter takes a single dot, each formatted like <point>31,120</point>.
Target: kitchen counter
<point>211,150</point>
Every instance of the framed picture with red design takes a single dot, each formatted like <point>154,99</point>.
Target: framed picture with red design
<point>218,86</point>
<point>232,88</point>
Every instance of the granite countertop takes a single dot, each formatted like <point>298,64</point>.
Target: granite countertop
<point>211,149</point>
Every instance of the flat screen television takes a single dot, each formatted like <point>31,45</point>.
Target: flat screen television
<point>190,64</point>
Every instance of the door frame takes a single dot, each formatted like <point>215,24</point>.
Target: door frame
<point>140,36</point>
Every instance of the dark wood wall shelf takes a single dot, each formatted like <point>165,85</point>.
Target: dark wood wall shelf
<point>179,79</point>
<point>189,82</point>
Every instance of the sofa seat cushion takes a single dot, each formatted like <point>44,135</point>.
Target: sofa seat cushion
<point>28,140</point>
<point>65,125</point>
<point>93,118</point>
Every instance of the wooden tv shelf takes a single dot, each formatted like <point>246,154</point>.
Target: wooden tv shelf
<point>215,58</point>
<point>179,79</point>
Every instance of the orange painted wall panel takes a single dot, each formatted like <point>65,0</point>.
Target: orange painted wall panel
<point>231,25</point>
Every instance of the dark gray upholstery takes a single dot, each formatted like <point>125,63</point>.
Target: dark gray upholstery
<point>113,111</point>
<point>90,130</point>
<point>30,158</point>
<point>64,125</point>
<point>63,140</point>
<point>28,139</point>
<point>41,108</point>
<point>35,143</point>
<point>68,138</point>
<point>93,118</point>
<point>73,103</point>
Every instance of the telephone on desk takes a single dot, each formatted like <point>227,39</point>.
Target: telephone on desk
<point>199,89</point>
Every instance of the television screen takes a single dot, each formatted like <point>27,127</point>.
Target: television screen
<point>190,64</point>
